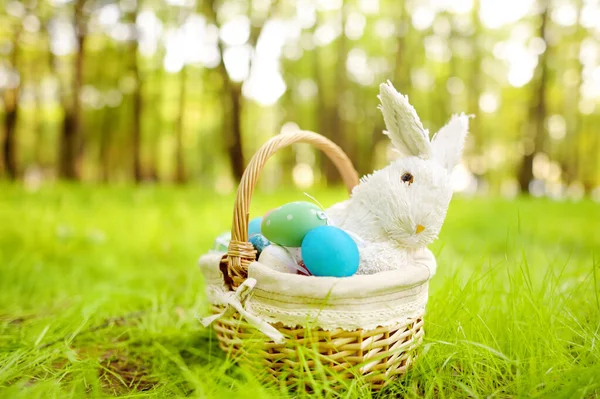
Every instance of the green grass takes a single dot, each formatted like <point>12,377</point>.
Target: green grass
<point>99,290</point>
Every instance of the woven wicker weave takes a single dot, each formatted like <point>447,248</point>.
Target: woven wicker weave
<point>377,354</point>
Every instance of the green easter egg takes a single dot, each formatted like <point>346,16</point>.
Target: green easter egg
<point>288,224</point>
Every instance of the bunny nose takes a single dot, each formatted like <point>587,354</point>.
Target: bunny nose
<point>420,228</point>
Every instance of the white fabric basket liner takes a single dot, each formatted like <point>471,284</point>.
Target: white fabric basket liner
<point>357,302</point>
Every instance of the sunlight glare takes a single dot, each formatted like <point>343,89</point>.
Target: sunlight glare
<point>9,78</point>
<point>236,31</point>
<point>422,79</point>
<point>265,84</point>
<point>494,14</point>
<point>303,175</point>
<point>31,23</point>
<point>113,98</point>
<point>586,106</point>
<point>455,85</point>
<point>330,5</point>
<point>422,17</point>
<point>15,9</point>
<point>436,49</point>
<point>237,62</point>
<point>121,31</point>
<point>368,6</point>
<point>355,25</point>
<point>325,34</point>
<point>62,37</point>
<point>181,3</point>
<point>488,102</point>
<point>589,52</point>
<point>358,67</point>
<point>150,29</point>
<point>307,89</point>
<point>442,27</point>
<point>175,56</point>
<point>385,28</point>
<point>541,166</point>
<point>521,63</point>
<point>289,127</point>
<point>537,45</point>
<point>590,15</point>
<point>109,14</point>
<point>193,29</point>
<point>519,75</point>
<point>462,180</point>
<point>556,126</point>
<point>306,14</point>
<point>273,37</point>
<point>565,14</point>
<point>459,6</point>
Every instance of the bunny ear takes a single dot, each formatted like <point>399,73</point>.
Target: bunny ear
<point>449,141</point>
<point>403,125</point>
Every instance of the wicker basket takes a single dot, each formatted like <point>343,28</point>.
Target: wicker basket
<point>377,355</point>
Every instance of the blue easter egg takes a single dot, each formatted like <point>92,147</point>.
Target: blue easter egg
<point>330,251</point>
<point>259,242</point>
<point>254,226</point>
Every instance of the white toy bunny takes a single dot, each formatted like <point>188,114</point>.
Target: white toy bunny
<point>398,210</point>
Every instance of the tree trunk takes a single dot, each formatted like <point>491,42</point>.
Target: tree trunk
<point>537,110</point>
<point>232,102</point>
<point>71,143</point>
<point>39,126</point>
<point>232,123</point>
<point>68,144</point>
<point>11,114</point>
<point>9,147</point>
<point>234,142</point>
<point>180,174</point>
<point>136,128</point>
<point>105,139</point>
<point>157,121</point>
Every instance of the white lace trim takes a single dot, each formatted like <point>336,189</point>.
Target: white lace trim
<point>331,319</point>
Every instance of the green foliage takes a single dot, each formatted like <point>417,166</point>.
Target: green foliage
<point>99,293</point>
<point>471,56</point>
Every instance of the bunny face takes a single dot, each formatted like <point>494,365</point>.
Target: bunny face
<point>407,200</point>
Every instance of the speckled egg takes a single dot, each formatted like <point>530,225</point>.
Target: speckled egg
<point>288,224</point>
<point>330,251</point>
<point>259,242</point>
<point>278,258</point>
<point>254,226</point>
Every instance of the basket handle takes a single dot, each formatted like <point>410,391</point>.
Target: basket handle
<point>240,252</point>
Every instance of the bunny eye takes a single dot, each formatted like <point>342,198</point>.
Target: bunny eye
<point>408,178</point>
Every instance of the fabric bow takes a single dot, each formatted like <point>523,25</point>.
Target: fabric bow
<point>236,299</point>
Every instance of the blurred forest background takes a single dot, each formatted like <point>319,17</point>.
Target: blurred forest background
<point>187,90</point>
